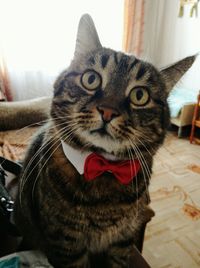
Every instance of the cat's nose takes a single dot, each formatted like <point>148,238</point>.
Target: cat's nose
<point>107,113</point>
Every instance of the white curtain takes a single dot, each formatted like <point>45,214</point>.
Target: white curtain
<point>133,26</point>
<point>168,38</point>
<point>37,38</point>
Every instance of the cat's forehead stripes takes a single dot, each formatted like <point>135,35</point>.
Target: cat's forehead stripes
<point>124,64</point>
<point>132,65</point>
<point>104,60</point>
<point>121,62</point>
<point>91,60</point>
<point>118,68</point>
<point>140,73</point>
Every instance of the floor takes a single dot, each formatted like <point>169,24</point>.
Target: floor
<point>173,236</point>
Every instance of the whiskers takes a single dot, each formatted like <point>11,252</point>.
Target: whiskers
<point>144,164</point>
<point>59,128</point>
<point>136,181</point>
<point>64,133</point>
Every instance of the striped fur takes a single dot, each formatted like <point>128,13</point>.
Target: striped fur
<point>77,222</point>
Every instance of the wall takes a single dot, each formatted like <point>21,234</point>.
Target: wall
<point>37,38</point>
<point>168,38</point>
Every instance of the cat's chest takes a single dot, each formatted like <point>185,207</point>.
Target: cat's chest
<point>100,224</point>
<point>117,224</point>
<point>110,224</point>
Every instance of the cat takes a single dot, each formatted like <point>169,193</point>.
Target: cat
<point>114,106</point>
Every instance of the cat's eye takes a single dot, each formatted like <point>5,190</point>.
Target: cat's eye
<point>91,80</point>
<point>139,96</point>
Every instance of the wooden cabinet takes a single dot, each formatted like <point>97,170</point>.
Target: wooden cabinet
<point>196,122</point>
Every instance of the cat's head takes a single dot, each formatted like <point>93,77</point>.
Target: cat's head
<point>111,102</point>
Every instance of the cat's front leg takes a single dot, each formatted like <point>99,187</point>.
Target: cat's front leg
<point>122,254</point>
<point>126,255</point>
<point>119,255</point>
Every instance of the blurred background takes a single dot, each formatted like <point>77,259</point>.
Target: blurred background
<point>37,38</point>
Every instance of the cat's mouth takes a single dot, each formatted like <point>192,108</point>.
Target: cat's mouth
<point>102,131</point>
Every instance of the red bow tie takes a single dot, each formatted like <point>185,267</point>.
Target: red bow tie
<point>124,171</point>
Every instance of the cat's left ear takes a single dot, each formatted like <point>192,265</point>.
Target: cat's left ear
<point>87,37</point>
<point>173,73</point>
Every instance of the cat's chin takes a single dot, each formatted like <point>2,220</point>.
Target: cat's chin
<point>105,144</point>
<point>111,157</point>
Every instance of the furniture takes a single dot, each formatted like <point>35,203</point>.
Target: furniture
<point>8,231</point>
<point>195,121</point>
<point>184,118</point>
<point>181,102</point>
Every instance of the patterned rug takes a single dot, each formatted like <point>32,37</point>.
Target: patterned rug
<point>13,143</point>
<point>173,236</point>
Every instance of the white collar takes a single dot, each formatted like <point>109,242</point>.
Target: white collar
<point>76,157</point>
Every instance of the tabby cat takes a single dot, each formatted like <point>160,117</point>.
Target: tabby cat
<point>114,106</point>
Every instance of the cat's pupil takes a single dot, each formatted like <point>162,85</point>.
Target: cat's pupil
<point>91,79</point>
<point>139,95</point>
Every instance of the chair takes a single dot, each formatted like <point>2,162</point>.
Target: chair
<point>195,121</point>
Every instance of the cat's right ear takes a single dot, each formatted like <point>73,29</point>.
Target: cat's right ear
<point>173,73</point>
<point>87,37</point>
